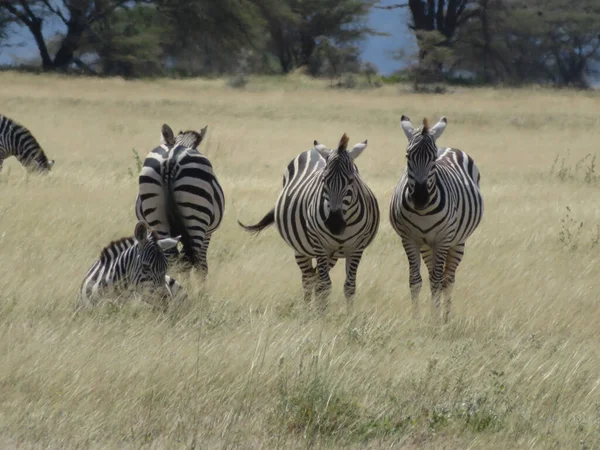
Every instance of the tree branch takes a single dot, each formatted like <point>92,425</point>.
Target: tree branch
<point>55,11</point>
<point>29,12</point>
<point>99,15</point>
<point>15,12</point>
<point>397,6</point>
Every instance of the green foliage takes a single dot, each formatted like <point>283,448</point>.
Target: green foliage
<point>301,30</point>
<point>128,43</point>
<point>532,41</point>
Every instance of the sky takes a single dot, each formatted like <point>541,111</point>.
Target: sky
<point>375,49</point>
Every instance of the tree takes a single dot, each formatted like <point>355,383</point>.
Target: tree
<point>296,28</point>
<point>531,41</point>
<point>76,15</point>
<point>435,23</point>
<point>209,35</point>
<point>128,42</point>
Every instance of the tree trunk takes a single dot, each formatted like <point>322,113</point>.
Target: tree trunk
<point>35,27</point>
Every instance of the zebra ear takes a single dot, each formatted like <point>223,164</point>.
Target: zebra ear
<point>168,243</point>
<point>203,132</point>
<point>407,127</point>
<point>357,150</point>
<point>141,232</point>
<point>167,136</point>
<point>323,151</point>
<point>437,130</point>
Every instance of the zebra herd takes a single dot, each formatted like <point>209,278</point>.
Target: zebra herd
<point>325,212</point>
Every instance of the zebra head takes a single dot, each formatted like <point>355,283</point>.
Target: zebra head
<point>421,156</point>
<point>40,164</point>
<point>150,264</point>
<point>339,182</point>
<point>191,138</point>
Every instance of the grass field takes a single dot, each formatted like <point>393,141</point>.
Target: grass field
<point>245,364</point>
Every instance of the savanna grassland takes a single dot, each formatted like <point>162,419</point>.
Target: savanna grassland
<point>245,364</point>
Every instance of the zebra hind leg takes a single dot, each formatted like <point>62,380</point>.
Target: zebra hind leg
<point>414,279</point>
<point>323,288</point>
<point>455,255</point>
<point>352,263</point>
<point>203,260</point>
<point>309,276</point>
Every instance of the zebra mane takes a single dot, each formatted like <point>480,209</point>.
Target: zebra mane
<point>118,246</point>
<point>190,138</point>
<point>27,137</point>
<point>425,129</point>
<point>343,145</point>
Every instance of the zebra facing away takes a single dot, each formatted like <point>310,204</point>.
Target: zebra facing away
<point>17,141</point>
<point>131,262</point>
<point>325,211</point>
<point>179,194</point>
<point>435,207</point>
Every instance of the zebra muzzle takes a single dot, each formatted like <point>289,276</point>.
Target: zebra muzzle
<point>336,222</point>
<point>420,196</point>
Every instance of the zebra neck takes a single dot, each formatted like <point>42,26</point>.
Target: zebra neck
<point>29,158</point>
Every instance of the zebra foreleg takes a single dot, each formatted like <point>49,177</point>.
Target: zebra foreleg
<point>309,275</point>
<point>415,281</point>
<point>435,260</point>
<point>323,288</point>
<point>455,255</point>
<point>352,263</point>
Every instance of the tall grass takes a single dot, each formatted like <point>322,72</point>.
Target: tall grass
<point>245,364</point>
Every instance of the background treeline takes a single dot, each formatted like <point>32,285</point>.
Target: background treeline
<point>482,41</point>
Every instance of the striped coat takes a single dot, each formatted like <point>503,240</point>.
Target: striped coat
<point>435,207</point>
<point>179,194</point>
<point>130,263</point>
<point>325,212</point>
<point>17,141</point>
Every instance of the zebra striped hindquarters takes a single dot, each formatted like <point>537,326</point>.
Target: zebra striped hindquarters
<point>435,207</point>
<point>135,262</point>
<point>326,212</point>
<point>179,194</point>
<point>17,141</point>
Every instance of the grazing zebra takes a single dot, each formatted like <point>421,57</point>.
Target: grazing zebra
<point>325,211</point>
<point>130,262</point>
<point>435,207</point>
<point>17,141</point>
<point>179,194</point>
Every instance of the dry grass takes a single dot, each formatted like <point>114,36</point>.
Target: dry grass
<point>245,364</point>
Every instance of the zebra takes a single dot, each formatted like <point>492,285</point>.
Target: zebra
<point>325,212</point>
<point>131,262</point>
<point>435,207</point>
<point>179,194</point>
<point>17,141</point>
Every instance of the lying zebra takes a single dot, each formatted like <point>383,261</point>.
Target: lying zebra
<point>134,262</point>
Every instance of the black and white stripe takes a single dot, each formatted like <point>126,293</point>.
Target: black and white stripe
<point>435,207</point>
<point>325,211</point>
<point>17,141</point>
<point>179,194</point>
<point>129,263</point>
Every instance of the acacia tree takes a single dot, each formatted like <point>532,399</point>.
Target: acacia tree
<point>435,23</point>
<point>297,27</point>
<point>531,41</point>
<point>76,15</point>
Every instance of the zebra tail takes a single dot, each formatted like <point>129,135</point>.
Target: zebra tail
<point>269,219</point>
<point>176,225</point>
